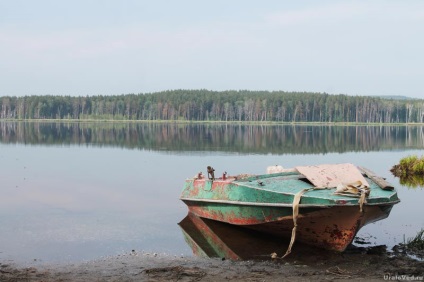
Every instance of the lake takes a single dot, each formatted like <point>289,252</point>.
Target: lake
<point>79,191</point>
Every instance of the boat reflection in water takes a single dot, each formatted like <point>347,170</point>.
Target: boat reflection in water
<point>211,238</point>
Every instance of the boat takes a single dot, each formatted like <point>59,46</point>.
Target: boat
<point>320,205</point>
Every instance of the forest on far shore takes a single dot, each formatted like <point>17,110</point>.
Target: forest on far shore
<point>206,105</point>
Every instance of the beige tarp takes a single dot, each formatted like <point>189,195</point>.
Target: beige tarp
<point>332,175</point>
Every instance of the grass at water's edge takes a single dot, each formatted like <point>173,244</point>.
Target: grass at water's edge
<point>410,165</point>
<point>417,242</point>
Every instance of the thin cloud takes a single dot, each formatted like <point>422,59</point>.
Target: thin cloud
<point>348,11</point>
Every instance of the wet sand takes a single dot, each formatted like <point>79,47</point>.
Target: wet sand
<point>372,264</point>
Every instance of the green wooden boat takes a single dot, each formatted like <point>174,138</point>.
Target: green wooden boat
<point>322,205</point>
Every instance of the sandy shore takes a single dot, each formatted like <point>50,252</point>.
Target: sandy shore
<point>362,264</point>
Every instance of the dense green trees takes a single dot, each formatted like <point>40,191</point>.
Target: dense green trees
<point>204,105</point>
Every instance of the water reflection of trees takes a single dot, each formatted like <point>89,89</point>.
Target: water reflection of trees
<point>412,181</point>
<point>261,139</point>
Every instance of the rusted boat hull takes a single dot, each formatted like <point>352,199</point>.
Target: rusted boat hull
<point>333,228</point>
<point>330,228</point>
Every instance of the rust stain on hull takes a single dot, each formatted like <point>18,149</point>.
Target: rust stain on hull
<point>332,229</point>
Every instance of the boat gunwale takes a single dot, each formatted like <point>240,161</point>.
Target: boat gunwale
<point>391,203</point>
<point>348,199</point>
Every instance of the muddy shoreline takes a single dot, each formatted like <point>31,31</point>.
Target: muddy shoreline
<point>370,264</point>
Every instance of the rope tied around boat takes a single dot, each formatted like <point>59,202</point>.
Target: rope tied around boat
<point>355,189</point>
<point>296,202</point>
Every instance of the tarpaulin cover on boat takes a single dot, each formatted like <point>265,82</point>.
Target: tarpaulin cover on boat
<point>332,175</point>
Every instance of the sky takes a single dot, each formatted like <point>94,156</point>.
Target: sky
<point>105,47</point>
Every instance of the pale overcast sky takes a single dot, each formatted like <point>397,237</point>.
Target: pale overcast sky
<point>91,47</point>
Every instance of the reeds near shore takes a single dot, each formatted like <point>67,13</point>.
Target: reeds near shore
<point>417,243</point>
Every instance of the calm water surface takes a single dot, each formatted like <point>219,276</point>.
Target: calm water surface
<point>73,192</point>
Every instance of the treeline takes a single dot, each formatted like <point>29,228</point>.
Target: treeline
<point>204,105</point>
